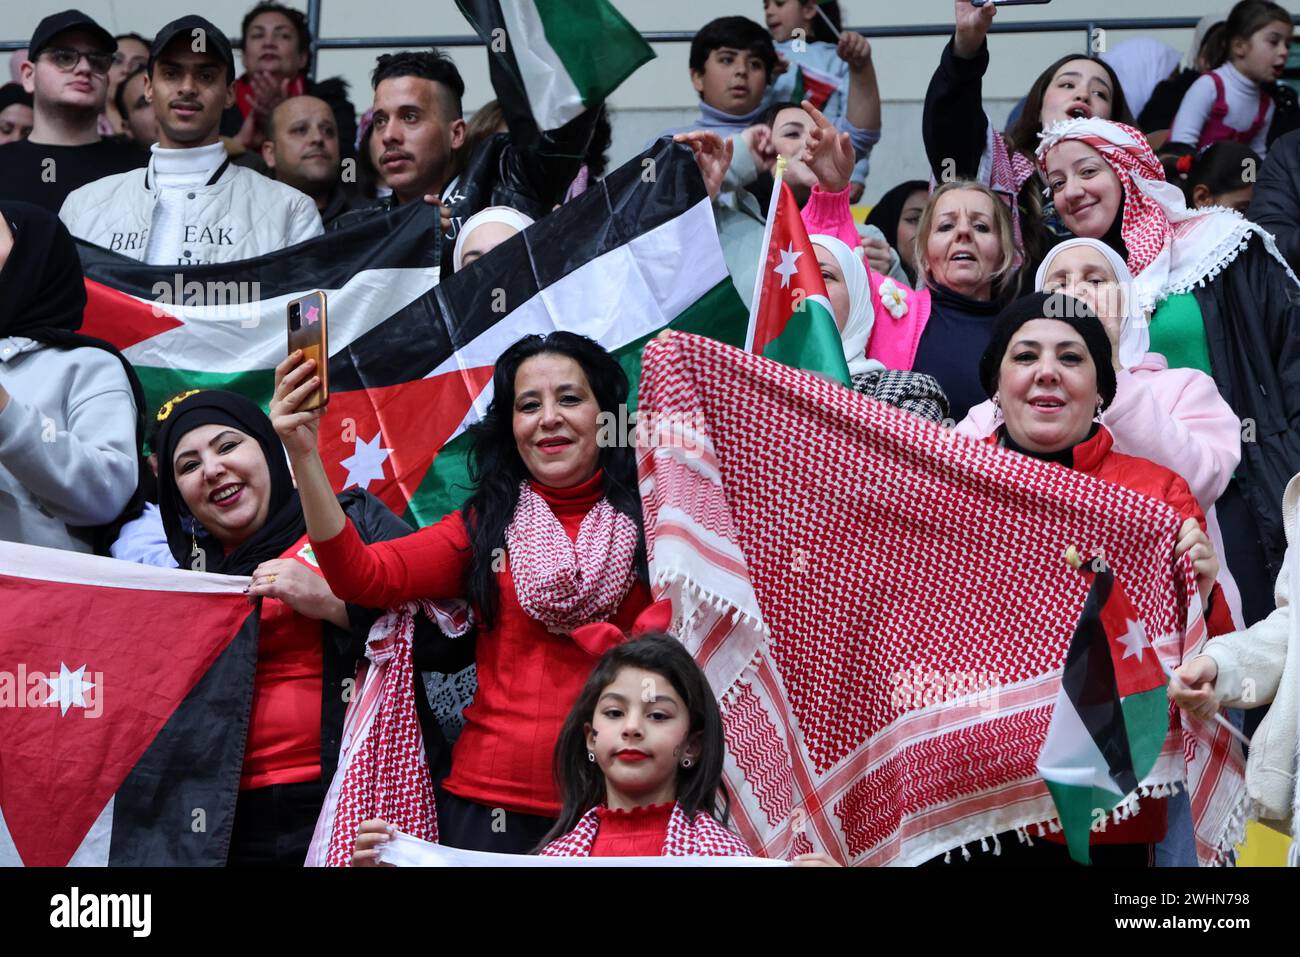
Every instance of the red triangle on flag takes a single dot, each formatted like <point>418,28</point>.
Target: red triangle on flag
<point>123,320</point>
<point>1137,668</point>
<point>71,735</point>
<point>788,273</point>
<point>383,439</point>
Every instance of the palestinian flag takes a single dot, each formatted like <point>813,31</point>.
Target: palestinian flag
<point>791,319</point>
<point>1111,715</point>
<point>123,710</point>
<point>410,360</point>
<point>813,86</point>
<point>551,60</point>
<point>637,253</point>
<point>223,326</point>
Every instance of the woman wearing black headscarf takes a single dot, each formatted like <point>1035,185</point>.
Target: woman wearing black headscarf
<point>229,505</point>
<point>70,425</point>
<point>898,215</point>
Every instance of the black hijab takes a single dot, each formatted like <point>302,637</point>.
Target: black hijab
<point>43,297</point>
<point>284,519</point>
<point>886,213</point>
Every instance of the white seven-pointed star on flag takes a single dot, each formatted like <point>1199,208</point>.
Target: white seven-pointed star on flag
<point>366,463</point>
<point>786,268</point>
<point>69,688</point>
<point>1134,640</point>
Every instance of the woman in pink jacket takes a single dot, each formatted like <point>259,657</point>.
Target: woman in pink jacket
<point>1174,417</point>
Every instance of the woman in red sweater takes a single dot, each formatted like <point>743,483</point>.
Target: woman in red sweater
<point>550,539</point>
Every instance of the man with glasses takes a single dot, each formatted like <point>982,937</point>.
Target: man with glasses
<point>67,75</point>
<point>190,205</point>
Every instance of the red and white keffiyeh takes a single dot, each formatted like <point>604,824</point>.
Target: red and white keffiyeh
<point>1171,249</point>
<point>883,609</point>
<point>563,583</point>
<point>382,770</point>
<point>1006,171</point>
<point>701,837</point>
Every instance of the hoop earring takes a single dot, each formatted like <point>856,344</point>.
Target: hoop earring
<point>591,756</point>
<point>687,762</point>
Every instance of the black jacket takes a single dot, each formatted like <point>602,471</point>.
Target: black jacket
<point>955,130</point>
<point>344,648</point>
<point>532,179</point>
<point>1252,325</point>
<point>1276,203</point>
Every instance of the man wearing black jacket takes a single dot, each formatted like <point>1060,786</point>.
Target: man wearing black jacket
<point>420,128</point>
<point>1276,203</point>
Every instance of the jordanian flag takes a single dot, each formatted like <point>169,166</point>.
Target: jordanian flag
<point>551,60</point>
<point>1111,715</point>
<point>123,710</point>
<point>791,319</point>
<point>813,86</point>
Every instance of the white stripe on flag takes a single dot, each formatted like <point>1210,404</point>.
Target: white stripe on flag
<point>74,568</point>
<point>93,851</point>
<point>244,338</point>
<point>552,94</point>
<point>406,851</point>
<point>617,298</point>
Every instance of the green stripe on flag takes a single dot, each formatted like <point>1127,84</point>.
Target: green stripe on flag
<point>597,46</point>
<point>1146,721</point>
<point>811,340</point>
<point>162,384</point>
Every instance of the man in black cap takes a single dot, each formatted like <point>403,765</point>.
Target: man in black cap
<point>67,75</point>
<point>190,205</point>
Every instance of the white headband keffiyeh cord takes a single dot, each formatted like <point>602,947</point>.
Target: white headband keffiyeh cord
<point>1171,249</point>
<point>857,327</point>
<point>1134,331</point>
<point>492,214</point>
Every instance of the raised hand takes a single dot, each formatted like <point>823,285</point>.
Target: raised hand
<point>855,50</point>
<point>712,155</point>
<point>829,153</point>
<point>972,27</point>
<point>759,140</point>
<point>295,380</point>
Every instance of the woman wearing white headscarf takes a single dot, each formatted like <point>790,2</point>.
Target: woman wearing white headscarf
<point>1174,417</point>
<point>849,289</point>
<point>484,231</point>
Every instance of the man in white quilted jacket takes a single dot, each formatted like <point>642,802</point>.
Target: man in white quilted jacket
<point>190,205</point>
<point>1258,666</point>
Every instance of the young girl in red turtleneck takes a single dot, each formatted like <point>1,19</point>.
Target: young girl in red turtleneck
<point>639,760</point>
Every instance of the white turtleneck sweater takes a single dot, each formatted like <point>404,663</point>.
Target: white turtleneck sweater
<point>1242,94</point>
<point>174,172</point>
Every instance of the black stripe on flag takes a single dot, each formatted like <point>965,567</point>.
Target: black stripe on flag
<point>1089,684</point>
<point>409,237</point>
<point>177,805</point>
<point>651,189</point>
<point>503,69</point>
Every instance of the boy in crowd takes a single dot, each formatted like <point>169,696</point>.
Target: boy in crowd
<point>67,76</point>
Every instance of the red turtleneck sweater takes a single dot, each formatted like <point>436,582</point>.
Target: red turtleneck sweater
<point>640,832</point>
<point>528,678</point>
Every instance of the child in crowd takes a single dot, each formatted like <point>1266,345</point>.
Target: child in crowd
<point>806,41</point>
<point>1230,104</point>
<point>638,764</point>
<point>1224,175</point>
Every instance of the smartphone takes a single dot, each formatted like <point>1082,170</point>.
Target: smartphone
<point>308,332</point>
<point>1005,3</point>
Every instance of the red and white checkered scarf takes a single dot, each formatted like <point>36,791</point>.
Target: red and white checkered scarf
<point>1171,249</point>
<point>563,583</point>
<point>701,837</point>
<point>883,609</point>
<point>382,770</point>
<point>1008,171</point>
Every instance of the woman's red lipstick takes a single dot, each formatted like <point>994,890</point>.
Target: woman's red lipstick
<point>629,754</point>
